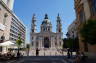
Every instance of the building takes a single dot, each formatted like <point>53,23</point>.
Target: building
<point>72,30</point>
<point>17,27</point>
<point>9,3</point>
<point>46,40</point>
<point>10,24</point>
<point>73,34</point>
<point>85,9</point>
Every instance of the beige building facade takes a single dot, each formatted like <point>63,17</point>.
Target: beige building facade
<point>72,29</point>
<point>9,3</point>
<point>10,24</point>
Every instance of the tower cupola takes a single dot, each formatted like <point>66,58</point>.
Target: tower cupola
<point>33,25</point>
<point>59,25</point>
<point>46,24</point>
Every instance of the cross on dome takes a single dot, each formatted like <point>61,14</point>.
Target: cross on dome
<point>46,16</point>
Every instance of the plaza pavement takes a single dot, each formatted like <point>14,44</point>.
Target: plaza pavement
<point>40,59</point>
<point>47,59</point>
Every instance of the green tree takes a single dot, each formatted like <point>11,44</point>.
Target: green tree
<point>19,42</point>
<point>69,43</point>
<point>88,32</point>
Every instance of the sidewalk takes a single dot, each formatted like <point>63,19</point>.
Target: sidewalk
<point>11,60</point>
<point>89,60</point>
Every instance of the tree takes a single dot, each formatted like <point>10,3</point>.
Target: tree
<point>72,44</point>
<point>19,42</point>
<point>68,43</point>
<point>64,43</point>
<point>28,48</point>
<point>88,32</point>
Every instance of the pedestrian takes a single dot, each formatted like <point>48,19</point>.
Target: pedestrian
<point>77,59</point>
<point>37,52</point>
<point>68,53</point>
<point>83,57</point>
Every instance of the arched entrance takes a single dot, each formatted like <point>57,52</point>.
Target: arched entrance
<point>46,42</point>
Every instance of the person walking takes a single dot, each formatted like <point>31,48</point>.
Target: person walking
<point>37,52</point>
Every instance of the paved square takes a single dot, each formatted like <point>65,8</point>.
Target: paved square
<point>41,59</point>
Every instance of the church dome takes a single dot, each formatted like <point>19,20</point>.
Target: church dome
<point>46,20</point>
<point>46,24</point>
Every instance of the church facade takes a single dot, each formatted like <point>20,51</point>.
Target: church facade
<point>46,39</point>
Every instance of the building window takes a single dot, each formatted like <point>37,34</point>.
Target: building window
<point>93,7</point>
<point>32,30</point>
<point>55,43</point>
<point>44,29</point>
<point>60,43</point>
<point>82,16</point>
<point>32,44</point>
<point>37,44</point>
<point>8,2</point>
<point>59,30</point>
<point>0,48</point>
<point>4,20</point>
<point>48,29</point>
<point>32,38</point>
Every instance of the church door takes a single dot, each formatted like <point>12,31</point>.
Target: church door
<point>46,42</point>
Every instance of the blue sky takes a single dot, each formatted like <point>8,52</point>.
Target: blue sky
<point>24,9</point>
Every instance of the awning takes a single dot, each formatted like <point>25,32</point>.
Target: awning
<point>7,43</point>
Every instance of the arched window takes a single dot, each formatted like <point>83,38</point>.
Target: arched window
<point>48,29</point>
<point>4,20</point>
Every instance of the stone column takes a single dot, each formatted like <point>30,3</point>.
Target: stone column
<point>57,42</point>
<point>40,43</point>
<point>34,42</point>
<point>52,42</point>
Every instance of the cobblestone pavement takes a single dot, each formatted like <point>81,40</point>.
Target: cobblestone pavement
<point>40,59</point>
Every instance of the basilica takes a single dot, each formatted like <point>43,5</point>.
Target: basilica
<point>46,40</point>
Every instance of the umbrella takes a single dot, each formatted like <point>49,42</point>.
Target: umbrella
<point>7,43</point>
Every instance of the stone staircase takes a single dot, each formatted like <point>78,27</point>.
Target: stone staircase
<point>47,53</point>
